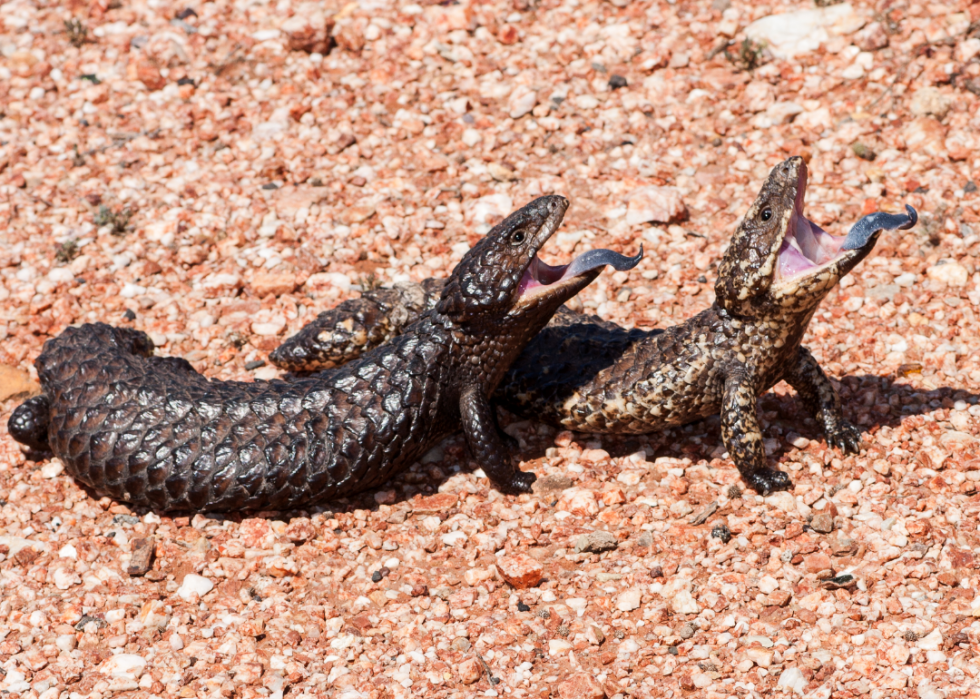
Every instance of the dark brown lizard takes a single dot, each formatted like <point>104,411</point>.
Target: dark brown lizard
<point>153,432</point>
<point>588,375</point>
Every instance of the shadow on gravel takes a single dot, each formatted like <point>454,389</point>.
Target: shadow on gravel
<point>870,402</point>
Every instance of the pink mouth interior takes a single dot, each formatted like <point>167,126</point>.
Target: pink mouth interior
<point>813,248</point>
<point>539,274</point>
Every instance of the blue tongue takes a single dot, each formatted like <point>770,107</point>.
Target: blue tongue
<point>862,231</point>
<point>588,261</point>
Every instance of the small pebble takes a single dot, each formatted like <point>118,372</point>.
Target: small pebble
<point>617,81</point>
<point>141,559</point>
<point>596,542</point>
<point>520,570</point>
<point>822,523</point>
<point>684,603</point>
<point>469,671</point>
<point>722,532</point>
<point>124,665</point>
<point>194,585</point>
<point>52,469</point>
<point>628,601</point>
<point>98,622</point>
<point>66,643</point>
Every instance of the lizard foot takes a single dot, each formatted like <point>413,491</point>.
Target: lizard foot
<point>28,424</point>
<point>768,480</point>
<point>845,437</point>
<point>519,482</point>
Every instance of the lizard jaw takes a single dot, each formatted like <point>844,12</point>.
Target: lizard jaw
<point>540,277</point>
<point>806,248</point>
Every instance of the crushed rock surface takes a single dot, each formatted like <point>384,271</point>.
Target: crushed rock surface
<point>216,174</point>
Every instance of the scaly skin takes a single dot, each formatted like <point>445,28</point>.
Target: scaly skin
<point>367,322</point>
<point>588,375</point>
<point>152,432</point>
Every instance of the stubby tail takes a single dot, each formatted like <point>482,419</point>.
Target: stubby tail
<point>28,424</point>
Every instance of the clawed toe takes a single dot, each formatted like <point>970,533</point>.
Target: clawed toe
<point>519,482</point>
<point>845,437</point>
<point>768,480</point>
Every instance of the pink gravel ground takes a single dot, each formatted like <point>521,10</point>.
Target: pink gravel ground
<point>249,182</point>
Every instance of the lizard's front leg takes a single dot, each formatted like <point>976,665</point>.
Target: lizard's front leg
<point>742,435</point>
<point>488,445</point>
<point>820,398</point>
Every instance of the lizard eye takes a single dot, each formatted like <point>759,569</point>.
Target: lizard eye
<point>766,214</point>
<point>517,238</point>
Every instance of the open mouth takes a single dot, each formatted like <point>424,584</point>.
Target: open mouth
<point>808,248</point>
<point>540,277</point>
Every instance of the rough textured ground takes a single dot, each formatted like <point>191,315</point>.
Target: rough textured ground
<point>209,177</point>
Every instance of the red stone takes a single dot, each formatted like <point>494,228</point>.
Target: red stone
<point>300,529</point>
<point>520,570</point>
<point>469,671</point>
<point>793,530</point>
<point>508,35</point>
<point>817,562</point>
<point>778,598</point>
<point>961,558</point>
<point>581,685</point>
<point>148,74</point>
<point>437,504</point>
<point>349,34</point>
<point>274,284</point>
<point>578,501</point>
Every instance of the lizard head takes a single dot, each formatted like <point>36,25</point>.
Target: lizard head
<point>779,260</point>
<point>502,279</point>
